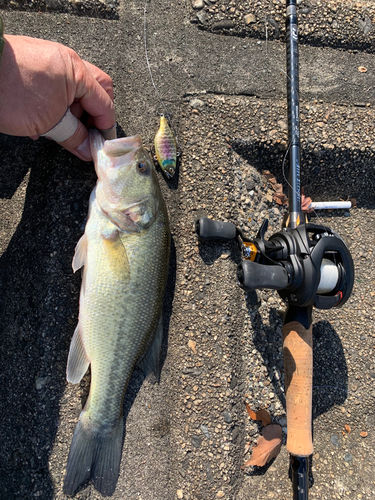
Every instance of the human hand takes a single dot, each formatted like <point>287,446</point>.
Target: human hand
<point>39,80</point>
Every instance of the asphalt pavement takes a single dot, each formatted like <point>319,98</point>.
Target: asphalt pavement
<point>219,68</point>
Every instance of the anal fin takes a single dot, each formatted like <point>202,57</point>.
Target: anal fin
<point>78,361</point>
<point>149,363</point>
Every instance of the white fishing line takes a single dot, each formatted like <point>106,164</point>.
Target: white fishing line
<point>166,114</point>
<point>147,60</point>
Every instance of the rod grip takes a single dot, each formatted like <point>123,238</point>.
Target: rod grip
<point>298,366</point>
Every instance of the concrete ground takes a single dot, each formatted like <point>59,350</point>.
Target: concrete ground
<point>225,86</point>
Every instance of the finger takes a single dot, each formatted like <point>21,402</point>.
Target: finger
<point>88,121</point>
<point>72,135</point>
<point>76,109</point>
<point>102,78</point>
<point>96,101</point>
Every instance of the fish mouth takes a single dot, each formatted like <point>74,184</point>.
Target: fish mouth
<point>122,146</point>
<point>168,167</point>
<point>112,153</point>
<point>168,172</point>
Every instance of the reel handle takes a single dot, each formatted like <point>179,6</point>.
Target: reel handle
<point>208,230</point>
<point>254,276</point>
<point>298,366</point>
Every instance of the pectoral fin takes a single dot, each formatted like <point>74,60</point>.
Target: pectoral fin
<point>115,251</point>
<point>79,258</point>
<point>149,363</point>
<point>78,361</point>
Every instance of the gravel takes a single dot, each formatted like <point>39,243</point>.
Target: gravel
<point>343,25</point>
<point>189,436</point>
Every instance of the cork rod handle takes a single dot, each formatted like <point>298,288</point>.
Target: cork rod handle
<point>298,365</point>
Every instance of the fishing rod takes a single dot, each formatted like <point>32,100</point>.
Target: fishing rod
<point>308,264</point>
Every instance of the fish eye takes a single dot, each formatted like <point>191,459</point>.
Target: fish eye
<point>142,167</point>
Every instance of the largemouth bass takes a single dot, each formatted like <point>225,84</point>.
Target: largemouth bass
<point>125,254</point>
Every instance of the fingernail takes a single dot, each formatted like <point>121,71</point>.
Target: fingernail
<point>84,150</point>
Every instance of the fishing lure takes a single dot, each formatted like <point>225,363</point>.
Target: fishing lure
<point>165,148</point>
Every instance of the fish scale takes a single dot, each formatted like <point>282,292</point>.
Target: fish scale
<point>120,314</point>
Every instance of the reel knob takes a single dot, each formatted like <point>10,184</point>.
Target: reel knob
<point>208,230</point>
<point>253,276</point>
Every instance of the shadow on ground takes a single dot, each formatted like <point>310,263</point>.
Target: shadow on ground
<point>330,372</point>
<point>38,307</point>
<point>94,8</point>
<point>39,297</point>
<point>326,174</point>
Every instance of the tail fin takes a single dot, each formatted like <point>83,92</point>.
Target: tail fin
<point>94,453</point>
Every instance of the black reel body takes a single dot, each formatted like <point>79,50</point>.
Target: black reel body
<point>308,265</point>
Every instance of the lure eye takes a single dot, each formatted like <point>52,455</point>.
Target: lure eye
<point>142,167</point>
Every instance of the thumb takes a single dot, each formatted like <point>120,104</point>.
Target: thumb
<point>78,143</point>
<point>72,135</point>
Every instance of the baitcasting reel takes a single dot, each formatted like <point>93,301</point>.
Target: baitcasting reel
<point>308,265</point>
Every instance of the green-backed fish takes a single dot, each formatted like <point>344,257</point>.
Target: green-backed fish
<point>165,148</point>
<point>125,254</point>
